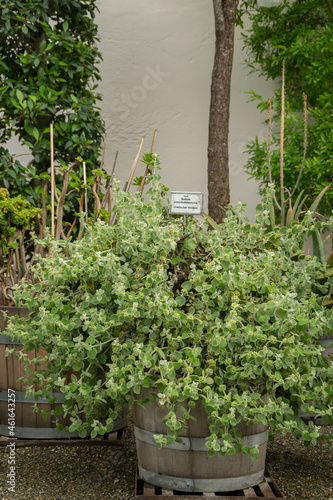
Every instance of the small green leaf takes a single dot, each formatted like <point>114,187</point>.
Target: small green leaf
<point>19,95</point>
<point>180,300</point>
<point>92,354</point>
<point>35,133</point>
<point>187,285</point>
<point>302,321</point>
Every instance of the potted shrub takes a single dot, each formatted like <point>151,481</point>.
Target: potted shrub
<point>191,323</point>
<point>18,249</point>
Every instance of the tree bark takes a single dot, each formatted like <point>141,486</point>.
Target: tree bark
<point>218,156</point>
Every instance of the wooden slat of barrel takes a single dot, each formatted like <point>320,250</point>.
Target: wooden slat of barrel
<point>41,422</point>
<point>188,467</point>
<point>11,369</point>
<point>27,415</point>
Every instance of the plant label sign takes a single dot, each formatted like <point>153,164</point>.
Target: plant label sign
<point>182,203</point>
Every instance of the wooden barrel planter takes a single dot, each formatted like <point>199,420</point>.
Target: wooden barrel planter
<point>28,423</point>
<point>186,466</point>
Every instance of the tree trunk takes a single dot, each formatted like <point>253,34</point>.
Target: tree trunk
<point>218,157</point>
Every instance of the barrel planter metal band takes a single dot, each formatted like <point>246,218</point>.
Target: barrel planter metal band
<point>326,342</point>
<point>52,433</point>
<point>21,397</point>
<point>7,340</point>
<point>186,465</point>
<point>196,444</point>
<point>199,485</point>
<point>37,433</point>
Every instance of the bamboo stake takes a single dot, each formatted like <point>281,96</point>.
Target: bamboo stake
<point>305,142</point>
<point>102,160</point>
<point>81,210</point>
<point>61,200</point>
<point>114,165</point>
<point>44,216</point>
<point>108,184</point>
<point>269,152</point>
<point>52,179</point>
<point>85,190</point>
<point>142,185</point>
<point>153,141</point>
<point>130,178</point>
<point>269,139</point>
<point>109,205</point>
<point>281,149</point>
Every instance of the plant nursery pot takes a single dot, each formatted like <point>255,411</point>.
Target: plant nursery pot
<point>186,466</point>
<point>28,423</point>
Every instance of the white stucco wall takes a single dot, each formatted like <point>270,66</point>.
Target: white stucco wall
<point>156,74</point>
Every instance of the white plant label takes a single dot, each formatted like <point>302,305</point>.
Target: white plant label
<point>182,203</point>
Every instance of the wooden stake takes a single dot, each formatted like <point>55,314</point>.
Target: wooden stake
<point>142,185</point>
<point>114,165</point>
<point>85,191</point>
<point>130,178</point>
<point>269,148</point>
<point>102,161</point>
<point>305,142</point>
<point>107,194</point>
<point>281,149</point>
<point>153,141</point>
<point>52,180</point>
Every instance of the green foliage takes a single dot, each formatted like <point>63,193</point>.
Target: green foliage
<point>300,33</point>
<point>228,317</point>
<point>16,216</point>
<point>24,182</point>
<point>48,67</point>
<point>17,178</point>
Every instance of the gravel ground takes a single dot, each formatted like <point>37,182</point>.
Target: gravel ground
<point>302,473</point>
<point>108,472</point>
